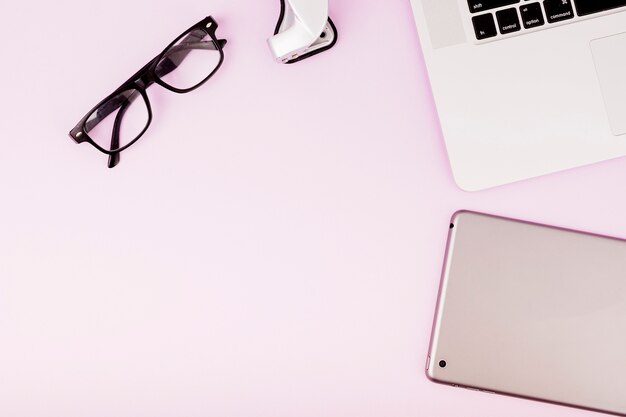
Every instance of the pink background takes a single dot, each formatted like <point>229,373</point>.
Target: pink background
<point>272,247</point>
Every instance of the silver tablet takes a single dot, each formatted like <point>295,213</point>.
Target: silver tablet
<point>532,311</point>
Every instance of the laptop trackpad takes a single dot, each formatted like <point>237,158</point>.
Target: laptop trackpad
<point>609,55</point>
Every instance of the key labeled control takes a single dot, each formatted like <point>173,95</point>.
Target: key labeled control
<point>508,21</point>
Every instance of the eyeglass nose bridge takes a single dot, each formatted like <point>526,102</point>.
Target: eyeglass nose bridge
<point>145,81</point>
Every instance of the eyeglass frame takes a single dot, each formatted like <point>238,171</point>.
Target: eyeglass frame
<point>140,82</point>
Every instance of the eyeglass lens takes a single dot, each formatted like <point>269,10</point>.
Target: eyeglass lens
<point>118,121</point>
<point>189,61</point>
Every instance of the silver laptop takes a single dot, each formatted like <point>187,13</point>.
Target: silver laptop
<point>526,88</point>
<point>532,311</point>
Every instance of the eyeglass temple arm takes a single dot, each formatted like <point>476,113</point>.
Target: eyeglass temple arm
<point>114,158</point>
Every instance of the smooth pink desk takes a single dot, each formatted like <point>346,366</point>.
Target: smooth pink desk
<point>271,248</point>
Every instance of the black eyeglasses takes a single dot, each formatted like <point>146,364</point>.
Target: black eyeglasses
<point>118,121</point>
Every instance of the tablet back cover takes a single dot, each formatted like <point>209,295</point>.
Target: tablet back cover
<point>532,311</point>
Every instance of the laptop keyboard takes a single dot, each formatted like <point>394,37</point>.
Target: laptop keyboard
<point>516,15</point>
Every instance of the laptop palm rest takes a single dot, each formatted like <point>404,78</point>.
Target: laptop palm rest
<point>609,55</point>
<point>445,26</point>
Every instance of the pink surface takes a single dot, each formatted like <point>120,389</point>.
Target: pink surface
<point>272,247</point>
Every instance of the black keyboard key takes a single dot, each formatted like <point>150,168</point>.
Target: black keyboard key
<point>532,16</point>
<point>508,21</point>
<point>482,5</point>
<point>558,10</point>
<point>585,7</point>
<point>484,26</point>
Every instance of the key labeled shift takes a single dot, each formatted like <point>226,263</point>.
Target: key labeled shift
<point>476,6</point>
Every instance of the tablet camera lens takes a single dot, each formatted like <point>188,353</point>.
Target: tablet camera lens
<point>443,364</point>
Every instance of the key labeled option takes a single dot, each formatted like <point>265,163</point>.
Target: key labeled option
<point>558,10</point>
<point>508,21</point>
<point>484,26</point>
<point>532,16</point>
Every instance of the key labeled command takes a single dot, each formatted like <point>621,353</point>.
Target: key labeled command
<point>558,10</point>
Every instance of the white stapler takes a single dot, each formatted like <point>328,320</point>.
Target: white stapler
<point>303,30</point>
